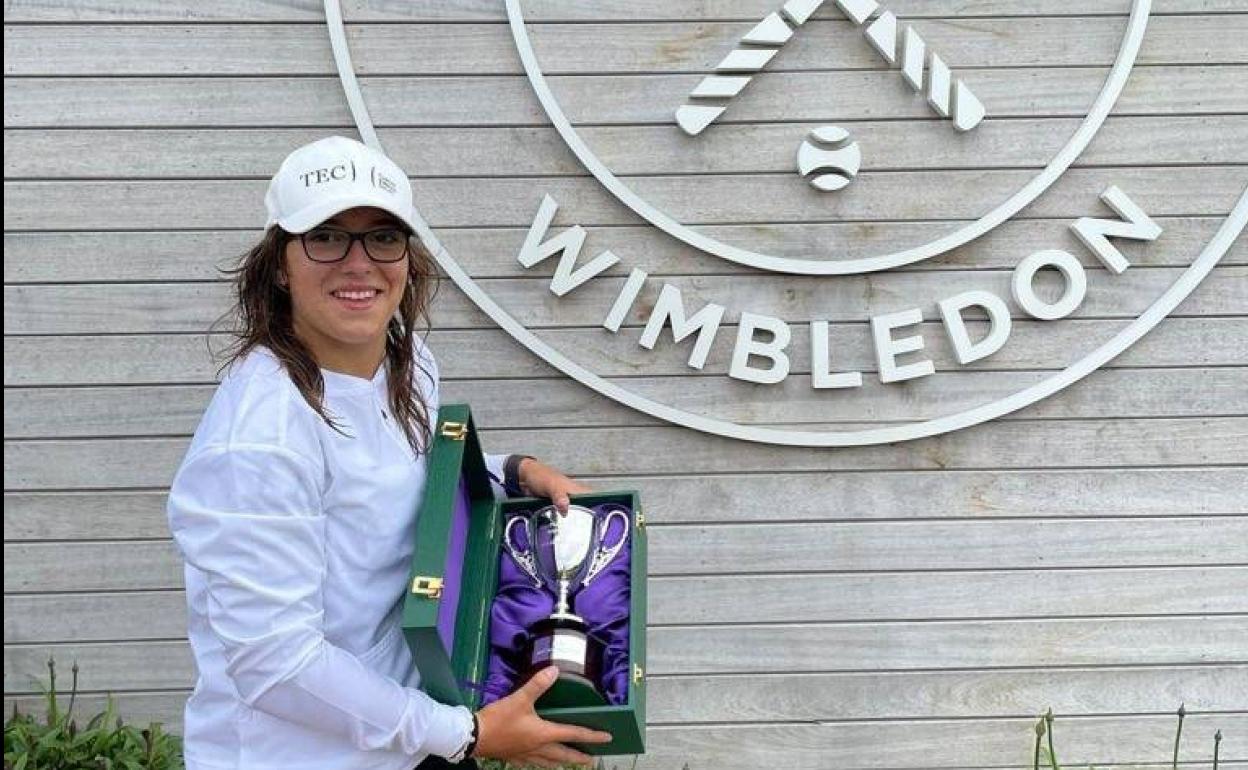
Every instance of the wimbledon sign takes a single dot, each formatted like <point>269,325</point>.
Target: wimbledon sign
<point>723,117</point>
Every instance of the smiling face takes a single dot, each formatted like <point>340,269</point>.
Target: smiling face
<point>341,310</point>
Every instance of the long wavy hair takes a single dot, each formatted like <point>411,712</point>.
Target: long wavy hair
<point>262,316</point>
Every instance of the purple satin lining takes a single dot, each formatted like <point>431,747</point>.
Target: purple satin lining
<point>518,604</point>
<point>449,605</point>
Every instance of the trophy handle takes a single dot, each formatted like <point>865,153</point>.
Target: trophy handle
<point>524,559</point>
<point>604,556</point>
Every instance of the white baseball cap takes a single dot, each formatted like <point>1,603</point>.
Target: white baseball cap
<point>331,175</point>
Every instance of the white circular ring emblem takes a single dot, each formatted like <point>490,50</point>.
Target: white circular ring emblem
<point>1187,281</point>
<point>815,265</point>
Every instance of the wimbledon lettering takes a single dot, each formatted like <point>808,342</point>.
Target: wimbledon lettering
<point>567,245</point>
<point>760,350</point>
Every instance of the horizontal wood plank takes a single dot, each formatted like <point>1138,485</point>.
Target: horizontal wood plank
<point>95,617</point>
<point>106,257</point>
<point>508,100</point>
<point>831,598</point>
<point>688,652</point>
<point>98,566</point>
<point>1115,742</point>
<point>26,11</point>
<point>627,150</point>
<point>757,549</point>
<point>803,697</point>
<point>690,46</point>
<point>929,596</point>
<point>745,698</point>
<point>128,411</point>
<point>1048,493</point>
<point>701,200</point>
<point>120,463</point>
<point>1083,444</point>
<point>98,515</point>
<point>1037,345</point>
<point>1135,741</point>
<point>947,545</point>
<point>195,307</point>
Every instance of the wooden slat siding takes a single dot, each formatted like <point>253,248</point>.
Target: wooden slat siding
<point>926,645</point>
<point>732,599</point>
<point>1082,443</point>
<point>189,255</point>
<point>982,645</point>
<point>147,462</point>
<point>1087,553</point>
<point>1201,392</point>
<point>809,697</point>
<point>106,566</point>
<point>102,515</point>
<point>744,698</point>
<point>939,744</point>
<point>94,617</point>
<point>184,358</point>
<point>455,100</point>
<point>810,746</point>
<point>26,11</point>
<point>717,199</point>
<point>629,151</point>
<point>757,549</point>
<point>691,47</point>
<point>949,744</point>
<point>194,307</point>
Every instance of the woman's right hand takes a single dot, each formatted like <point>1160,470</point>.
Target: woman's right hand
<point>510,729</point>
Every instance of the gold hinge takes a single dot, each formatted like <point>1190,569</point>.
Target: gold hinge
<point>641,519</point>
<point>455,431</point>
<point>428,587</point>
<point>638,674</point>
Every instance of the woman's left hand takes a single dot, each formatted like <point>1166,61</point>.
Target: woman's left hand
<point>540,480</point>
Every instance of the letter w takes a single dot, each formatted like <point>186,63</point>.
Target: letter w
<point>569,242</point>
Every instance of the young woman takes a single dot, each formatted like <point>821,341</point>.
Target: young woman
<point>294,507</point>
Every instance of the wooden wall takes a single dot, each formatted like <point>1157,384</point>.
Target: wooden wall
<point>908,606</point>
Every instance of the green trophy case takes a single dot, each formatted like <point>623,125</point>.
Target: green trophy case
<point>454,575</point>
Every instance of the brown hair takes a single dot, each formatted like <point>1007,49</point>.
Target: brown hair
<point>262,317</point>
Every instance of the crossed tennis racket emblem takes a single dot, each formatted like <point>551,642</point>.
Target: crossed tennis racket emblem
<point>829,150</point>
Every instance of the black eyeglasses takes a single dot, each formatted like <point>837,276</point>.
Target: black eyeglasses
<point>329,244</point>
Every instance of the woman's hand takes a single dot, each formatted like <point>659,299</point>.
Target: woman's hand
<point>509,729</point>
<point>541,480</point>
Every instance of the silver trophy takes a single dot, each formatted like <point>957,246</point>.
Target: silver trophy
<point>563,553</point>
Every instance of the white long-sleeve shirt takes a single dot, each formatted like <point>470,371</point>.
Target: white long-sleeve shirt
<point>297,542</point>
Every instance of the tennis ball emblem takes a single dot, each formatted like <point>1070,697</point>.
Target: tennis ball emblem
<point>829,158</point>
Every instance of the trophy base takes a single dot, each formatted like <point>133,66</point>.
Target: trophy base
<point>562,642</point>
<point>571,691</point>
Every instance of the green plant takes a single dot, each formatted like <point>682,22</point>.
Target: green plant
<point>57,743</point>
<point>1174,763</point>
<point>1047,756</point>
<point>106,743</point>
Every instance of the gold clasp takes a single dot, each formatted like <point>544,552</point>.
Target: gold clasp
<point>455,431</point>
<point>428,587</point>
<point>638,674</point>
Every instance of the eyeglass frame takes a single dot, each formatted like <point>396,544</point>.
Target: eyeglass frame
<point>352,237</point>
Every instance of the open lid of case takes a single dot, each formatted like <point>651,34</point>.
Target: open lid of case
<point>444,610</point>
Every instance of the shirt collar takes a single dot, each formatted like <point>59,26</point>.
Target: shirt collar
<point>340,382</point>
